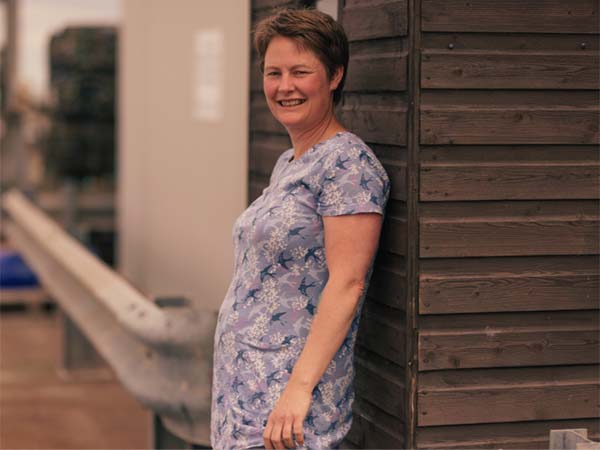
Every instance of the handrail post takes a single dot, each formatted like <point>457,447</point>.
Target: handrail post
<point>572,439</point>
<point>161,438</point>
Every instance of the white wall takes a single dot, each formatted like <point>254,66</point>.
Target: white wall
<point>181,179</point>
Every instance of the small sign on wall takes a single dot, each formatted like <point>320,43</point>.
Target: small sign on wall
<point>208,77</point>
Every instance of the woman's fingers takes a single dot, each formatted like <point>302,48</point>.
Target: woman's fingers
<point>276,436</point>
<point>298,431</point>
<point>267,435</point>
<point>288,440</point>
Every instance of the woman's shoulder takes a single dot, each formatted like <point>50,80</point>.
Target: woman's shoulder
<point>350,148</point>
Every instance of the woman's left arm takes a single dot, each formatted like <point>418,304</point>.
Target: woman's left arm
<point>350,245</point>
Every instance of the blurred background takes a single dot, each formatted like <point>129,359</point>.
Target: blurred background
<point>126,122</point>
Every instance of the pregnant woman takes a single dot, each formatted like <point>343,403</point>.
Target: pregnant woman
<point>304,250</point>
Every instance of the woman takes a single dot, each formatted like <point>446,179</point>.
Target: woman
<point>303,255</point>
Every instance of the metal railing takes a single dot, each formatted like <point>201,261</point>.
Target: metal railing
<point>160,351</point>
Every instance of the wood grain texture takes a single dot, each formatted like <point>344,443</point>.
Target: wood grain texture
<point>520,435</point>
<point>509,238</point>
<point>380,387</point>
<point>483,125</point>
<point>380,332</point>
<point>507,284</point>
<point>379,20</point>
<point>377,72</point>
<point>508,395</point>
<point>455,229</point>
<point>367,434</point>
<point>508,181</point>
<point>509,70</point>
<point>516,42</point>
<point>393,235</point>
<point>515,154</point>
<point>265,149</point>
<point>256,77</point>
<point>397,174</point>
<point>376,415</point>
<point>381,125</point>
<point>388,287</point>
<point>542,16</point>
<point>507,347</point>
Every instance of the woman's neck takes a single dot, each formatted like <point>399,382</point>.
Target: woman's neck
<point>302,140</point>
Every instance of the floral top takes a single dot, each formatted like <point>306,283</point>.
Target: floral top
<point>279,273</point>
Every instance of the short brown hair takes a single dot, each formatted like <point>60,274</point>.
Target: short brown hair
<point>312,30</point>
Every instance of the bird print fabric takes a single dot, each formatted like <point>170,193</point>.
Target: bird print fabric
<point>279,272</point>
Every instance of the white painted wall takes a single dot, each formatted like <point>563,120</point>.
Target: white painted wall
<point>182,175</point>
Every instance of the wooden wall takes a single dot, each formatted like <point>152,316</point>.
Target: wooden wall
<point>507,342</point>
<point>481,325</point>
<point>375,107</point>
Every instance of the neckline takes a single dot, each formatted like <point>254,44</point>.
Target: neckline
<point>314,147</point>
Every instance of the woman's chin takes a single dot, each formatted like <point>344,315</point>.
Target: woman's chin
<point>289,121</point>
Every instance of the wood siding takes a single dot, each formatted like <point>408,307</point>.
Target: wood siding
<point>375,107</point>
<point>508,212</point>
<point>481,325</point>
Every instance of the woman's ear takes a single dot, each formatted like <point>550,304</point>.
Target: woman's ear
<point>336,78</point>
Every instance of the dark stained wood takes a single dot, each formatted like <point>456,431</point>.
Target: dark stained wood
<point>256,78</point>
<point>499,99</point>
<point>508,395</point>
<point>510,70</point>
<point>507,348</point>
<point>376,124</point>
<point>541,16</point>
<point>376,415</point>
<point>266,149</point>
<point>391,154</point>
<point>509,229</point>
<point>536,125</point>
<point>540,320</point>
<point>380,333</point>
<point>544,402</point>
<point>368,21</point>
<point>523,42</point>
<point>509,238</point>
<point>374,384</point>
<point>372,435</point>
<point>506,181</point>
<point>500,210</point>
<point>393,231</point>
<point>509,284</point>
<point>519,435</point>
<point>388,287</point>
<point>376,72</point>
<point>397,174</point>
<point>533,154</point>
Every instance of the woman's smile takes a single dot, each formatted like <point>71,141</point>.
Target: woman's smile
<point>290,103</point>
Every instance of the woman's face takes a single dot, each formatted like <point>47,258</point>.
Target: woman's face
<point>296,85</point>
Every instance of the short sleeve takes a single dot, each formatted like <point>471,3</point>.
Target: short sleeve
<point>353,182</point>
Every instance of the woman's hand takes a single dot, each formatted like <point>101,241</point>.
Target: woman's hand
<point>286,419</point>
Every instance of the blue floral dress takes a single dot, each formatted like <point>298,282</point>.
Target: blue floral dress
<point>279,273</point>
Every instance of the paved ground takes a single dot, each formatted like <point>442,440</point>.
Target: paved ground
<point>40,410</point>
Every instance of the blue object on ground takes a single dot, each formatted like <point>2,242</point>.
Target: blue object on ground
<point>14,273</point>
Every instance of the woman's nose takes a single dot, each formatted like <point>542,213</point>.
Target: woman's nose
<point>286,83</point>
